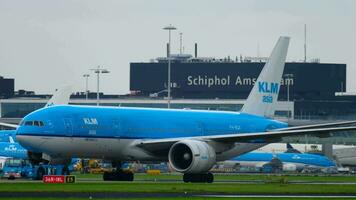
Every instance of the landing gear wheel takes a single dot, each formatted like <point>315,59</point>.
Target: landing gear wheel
<point>65,171</point>
<point>209,177</point>
<point>198,178</point>
<point>186,178</point>
<point>118,176</point>
<point>107,176</point>
<point>130,176</point>
<point>40,173</point>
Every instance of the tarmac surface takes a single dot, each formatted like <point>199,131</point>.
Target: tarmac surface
<point>91,180</point>
<point>95,180</point>
<point>99,195</point>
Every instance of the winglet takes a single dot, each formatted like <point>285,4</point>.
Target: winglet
<point>61,96</point>
<point>263,96</point>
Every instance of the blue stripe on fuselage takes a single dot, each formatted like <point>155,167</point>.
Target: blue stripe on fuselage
<point>111,122</point>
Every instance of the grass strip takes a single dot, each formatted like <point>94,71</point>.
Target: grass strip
<point>240,177</point>
<point>178,198</point>
<point>225,188</point>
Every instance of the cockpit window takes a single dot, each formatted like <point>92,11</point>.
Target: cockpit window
<point>28,123</point>
<point>34,123</point>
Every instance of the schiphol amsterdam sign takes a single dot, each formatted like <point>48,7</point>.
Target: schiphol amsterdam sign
<point>216,81</point>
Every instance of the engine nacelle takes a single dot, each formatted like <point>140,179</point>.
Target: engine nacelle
<point>191,156</point>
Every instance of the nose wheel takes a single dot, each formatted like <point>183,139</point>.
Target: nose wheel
<point>198,178</point>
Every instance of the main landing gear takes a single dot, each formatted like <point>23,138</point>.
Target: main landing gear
<point>198,178</point>
<point>118,174</point>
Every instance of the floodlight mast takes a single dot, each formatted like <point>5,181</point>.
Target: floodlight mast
<point>86,76</point>
<point>99,71</point>
<point>169,28</point>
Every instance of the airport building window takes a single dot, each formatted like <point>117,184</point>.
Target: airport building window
<point>18,110</point>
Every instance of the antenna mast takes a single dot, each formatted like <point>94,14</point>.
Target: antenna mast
<point>305,43</point>
<point>180,40</point>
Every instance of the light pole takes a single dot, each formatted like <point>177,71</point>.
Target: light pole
<point>86,76</point>
<point>99,71</point>
<point>169,28</point>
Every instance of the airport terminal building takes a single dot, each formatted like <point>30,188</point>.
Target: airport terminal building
<point>309,90</point>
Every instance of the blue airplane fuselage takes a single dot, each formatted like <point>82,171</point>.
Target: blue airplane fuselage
<point>296,158</point>
<point>140,123</point>
<point>114,132</point>
<point>13,150</point>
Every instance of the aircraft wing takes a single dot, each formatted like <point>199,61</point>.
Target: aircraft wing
<point>325,125</point>
<point>14,126</point>
<point>265,137</point>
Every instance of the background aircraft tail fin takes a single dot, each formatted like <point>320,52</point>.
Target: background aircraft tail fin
<point>263,96</point>
<point>60,96</point>
<point>11,140</point>
<point>291,149</point>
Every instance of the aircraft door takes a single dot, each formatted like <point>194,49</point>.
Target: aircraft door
<point>201,128</point>
<point>120,128</point>
<point>68,126</point>
<point>116,125</point>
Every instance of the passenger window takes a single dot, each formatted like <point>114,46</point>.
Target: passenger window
<point>36,123</point>
<point>41,123</point>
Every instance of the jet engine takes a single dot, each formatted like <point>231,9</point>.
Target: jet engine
<point>191,156</point>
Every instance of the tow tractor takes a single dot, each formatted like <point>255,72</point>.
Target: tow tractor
<point>22,168</point>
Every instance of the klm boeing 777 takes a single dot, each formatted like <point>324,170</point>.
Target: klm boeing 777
<point>191,141</point>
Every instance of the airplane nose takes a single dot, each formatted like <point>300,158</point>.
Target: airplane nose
<point>15,135</point>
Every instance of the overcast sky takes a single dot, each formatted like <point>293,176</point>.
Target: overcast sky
<point>45,44</point>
